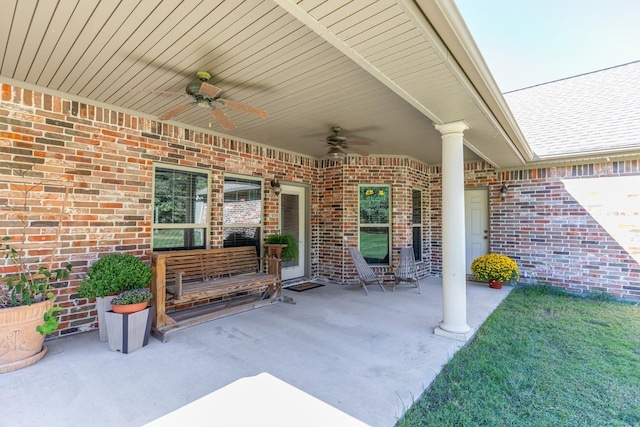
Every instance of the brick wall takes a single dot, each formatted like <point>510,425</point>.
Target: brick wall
<point>557,223</point>
<point>106,158</point>
<point>403,175</point>
<point>576,227</point>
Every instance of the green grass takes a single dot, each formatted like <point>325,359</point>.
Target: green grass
<point>543,358</point>
<point>374,245</point>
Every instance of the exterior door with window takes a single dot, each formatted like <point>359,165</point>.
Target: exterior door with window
<point>293,209</point>
<point>476,202</point>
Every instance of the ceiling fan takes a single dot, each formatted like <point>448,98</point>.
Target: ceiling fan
<point>340,145</point>
<point>206,95</point>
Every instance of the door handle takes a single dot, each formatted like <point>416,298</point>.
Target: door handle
<point>486,237</point>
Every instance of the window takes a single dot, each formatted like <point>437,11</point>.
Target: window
<point>416,199</point>
<point>242,212</point>
<point>375,225</point>
<point>180,200</point>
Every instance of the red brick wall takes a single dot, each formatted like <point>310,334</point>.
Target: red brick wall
<point>107,159</point>
<point>552,234</point>
<point>403,175</point>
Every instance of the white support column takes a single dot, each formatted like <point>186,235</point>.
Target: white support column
<point>454,292</point>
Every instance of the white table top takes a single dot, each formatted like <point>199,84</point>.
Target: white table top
<point>262,400</point>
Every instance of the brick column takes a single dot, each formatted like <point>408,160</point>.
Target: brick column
<point>454,292</point>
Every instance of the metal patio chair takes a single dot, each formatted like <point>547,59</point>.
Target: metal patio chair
<point>406,270</point>
<point>365,272</point>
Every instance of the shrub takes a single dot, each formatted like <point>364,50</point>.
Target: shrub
<point>495,266</point>
<point>113,274</point>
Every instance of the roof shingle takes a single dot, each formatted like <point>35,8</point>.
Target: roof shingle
<point>598,112</point>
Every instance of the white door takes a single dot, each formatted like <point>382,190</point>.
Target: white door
<point>476,204</point>
<point>292,220</point>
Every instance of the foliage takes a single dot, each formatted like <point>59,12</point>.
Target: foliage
<point>374,205</point>
<point>50,321</point>
<point>28,286</point>
<point>177,193</point>
<point>113,274</point>
<point>132,296</point>
<point>541,359</point>
<point>495,266</point>
<point>290,253</point>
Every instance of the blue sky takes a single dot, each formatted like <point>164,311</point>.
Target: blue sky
<point>528,42</point>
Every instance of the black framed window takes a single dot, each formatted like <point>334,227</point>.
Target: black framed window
<point>416,202</point>
<point>375,223</point>
<point>242,212</point>
<point>180,208</point>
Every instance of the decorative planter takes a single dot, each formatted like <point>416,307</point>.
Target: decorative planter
<point>274,250</point>
<point>20,344</point>
<point>103,304</point>
<point>129,332</point>
<point>495,284</point>
<point>129,308</point>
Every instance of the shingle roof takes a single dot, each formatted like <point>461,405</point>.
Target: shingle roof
<point>589,113</point>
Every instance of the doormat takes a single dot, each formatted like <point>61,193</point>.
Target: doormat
<point>304,286</point>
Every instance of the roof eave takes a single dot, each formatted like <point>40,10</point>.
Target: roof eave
<point>445,18</point>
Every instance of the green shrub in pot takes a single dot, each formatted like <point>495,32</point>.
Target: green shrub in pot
<point>290,253</point>
<point>113,274</point>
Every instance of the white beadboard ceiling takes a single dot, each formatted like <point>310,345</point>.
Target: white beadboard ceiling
<point>380,69</point>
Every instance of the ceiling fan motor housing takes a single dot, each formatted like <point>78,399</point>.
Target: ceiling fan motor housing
<point>336,139</point>
<point>193,88</point>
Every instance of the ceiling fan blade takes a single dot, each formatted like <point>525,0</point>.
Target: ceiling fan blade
<point>356,150</point>
<point>174,112</point>
<point>209,90</point>
<point>350,142</point>
<point>243,107</point>
<point>223,119</point>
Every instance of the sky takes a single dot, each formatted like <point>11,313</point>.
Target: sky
<point>529,42</point>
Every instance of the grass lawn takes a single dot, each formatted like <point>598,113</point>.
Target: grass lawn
<point>543,358</point>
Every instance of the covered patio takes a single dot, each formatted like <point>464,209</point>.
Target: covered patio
<point>370,357</point>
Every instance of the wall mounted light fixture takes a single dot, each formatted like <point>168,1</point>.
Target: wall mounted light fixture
<point>275,184</point>
<point>503,191</point>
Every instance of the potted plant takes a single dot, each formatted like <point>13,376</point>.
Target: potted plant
<point>131,301</point>
<point>286,246</point>
<point>109,276</point>
<point>27,309</point>
<point>495,269</point>
<point>129,321</point>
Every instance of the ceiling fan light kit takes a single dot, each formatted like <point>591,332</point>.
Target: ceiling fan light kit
<point>336,154</point>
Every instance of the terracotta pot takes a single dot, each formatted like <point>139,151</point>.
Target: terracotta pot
<point>495,284</point>
<point>129,308</point>
<point>21,345</point>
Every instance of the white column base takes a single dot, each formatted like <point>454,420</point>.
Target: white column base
<point>458,336</point>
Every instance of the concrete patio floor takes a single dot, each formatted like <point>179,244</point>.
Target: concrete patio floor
<point>369,356</point>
